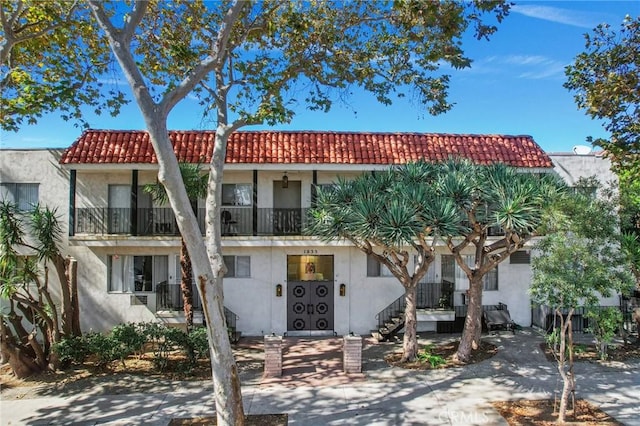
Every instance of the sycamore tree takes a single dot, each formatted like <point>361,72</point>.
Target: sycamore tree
<point>38,312</point>
<point>195,184</point>
<point>256,62</point>
<point>42,68</point>
<point>390,215</point>
<point>606,84</point>
<point>579,261</point>
<point>502,210</point>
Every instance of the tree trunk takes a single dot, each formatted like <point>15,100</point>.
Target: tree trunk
<point>66,311</point>
<point>185,285</point>
<point>72,279</point>
<point>470,339</point>
<point>22,364</point>
<point>225,368</point>
<point>208,266</point>
<point>206,258</point>
<point>567,376</point>
<point>410,341</point>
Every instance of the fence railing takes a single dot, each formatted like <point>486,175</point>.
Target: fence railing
<point>545,317</point>
<point>160,221</point>
<point>429,296</point>
<point>169,297</point>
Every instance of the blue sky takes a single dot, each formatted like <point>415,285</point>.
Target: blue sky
<point>513,87</point>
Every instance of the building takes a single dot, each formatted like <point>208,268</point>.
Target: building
<point>279,281</point>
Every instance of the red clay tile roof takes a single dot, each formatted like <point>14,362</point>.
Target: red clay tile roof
<point>317,147</point>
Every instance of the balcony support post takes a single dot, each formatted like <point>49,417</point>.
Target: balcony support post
<point>314,184</point>
<point>254,207</point>
<point>72,203</point>
<point>134,203</point>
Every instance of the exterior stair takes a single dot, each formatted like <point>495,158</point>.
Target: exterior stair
<point>389,328</point>
<point>429,295</point>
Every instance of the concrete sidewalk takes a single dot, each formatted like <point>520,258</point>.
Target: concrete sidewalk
<point>384,396</point>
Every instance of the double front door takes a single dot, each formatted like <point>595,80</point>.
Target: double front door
<point>310,306</point>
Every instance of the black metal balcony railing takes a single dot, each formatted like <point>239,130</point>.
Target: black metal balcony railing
<point>169,298</point>
<point>161,221</point>
<point>429,296</point>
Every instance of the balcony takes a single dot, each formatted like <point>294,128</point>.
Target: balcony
<point>235,221</point>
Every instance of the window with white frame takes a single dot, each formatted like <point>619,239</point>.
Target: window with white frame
<point>237,266</point>
<point>128,274</point>
<point>430,275</point>
<point>376,269</point>
<point>490,280</point>
<point>237,194</point>
<point>23,195</point>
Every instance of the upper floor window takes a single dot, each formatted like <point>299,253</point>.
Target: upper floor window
<point>237,194</point>
<point>23,195</point>
<point>376,269</point>
<point>237,266</point>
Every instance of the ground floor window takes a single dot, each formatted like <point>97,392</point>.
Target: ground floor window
<point>237,266</point>
<point>452,272</point>
<point>136,273</point>
<point>376,269</point>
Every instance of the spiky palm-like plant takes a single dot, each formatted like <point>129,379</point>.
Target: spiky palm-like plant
<point>491,198</point>
<point>386,215</point>
<point>28,240</point>
<point>195,183</point>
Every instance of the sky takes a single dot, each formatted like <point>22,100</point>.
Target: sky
<point>514,87</point>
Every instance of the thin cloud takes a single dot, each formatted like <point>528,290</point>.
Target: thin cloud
<point>529,67</point>
<point>527,60</point>
<point>574,18</point>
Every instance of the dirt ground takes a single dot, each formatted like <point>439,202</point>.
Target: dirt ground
<point>446,351</point>
<point>544,412</point>
<point>590,353</point>
<point>251,420</point>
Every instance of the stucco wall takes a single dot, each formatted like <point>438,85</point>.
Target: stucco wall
<point>571,167</point>
<point>253,299</point>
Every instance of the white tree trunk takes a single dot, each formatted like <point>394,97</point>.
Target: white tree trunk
<point>208,268</point>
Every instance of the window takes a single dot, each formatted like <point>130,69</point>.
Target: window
<point>430,276</point>
<point>237,194</point>
<point>520,257</point>
<point>490,280</point>
<point>136,273</point>
<point>237,266</point>
<point>376,269</point>
<point>23,195</point>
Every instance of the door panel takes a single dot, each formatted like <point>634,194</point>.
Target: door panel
<point>310,306</point>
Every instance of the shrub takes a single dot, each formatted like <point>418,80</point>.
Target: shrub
<point>130,337</point>
<point>199,342</point>
<point>72,350</point>
<point>434,360</point>
<point>106,348</point>
<point>604,324</point>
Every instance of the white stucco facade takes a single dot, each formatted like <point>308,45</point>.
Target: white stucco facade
<point>254,299</point>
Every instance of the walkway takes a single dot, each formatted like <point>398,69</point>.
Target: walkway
<point>380,396</point>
